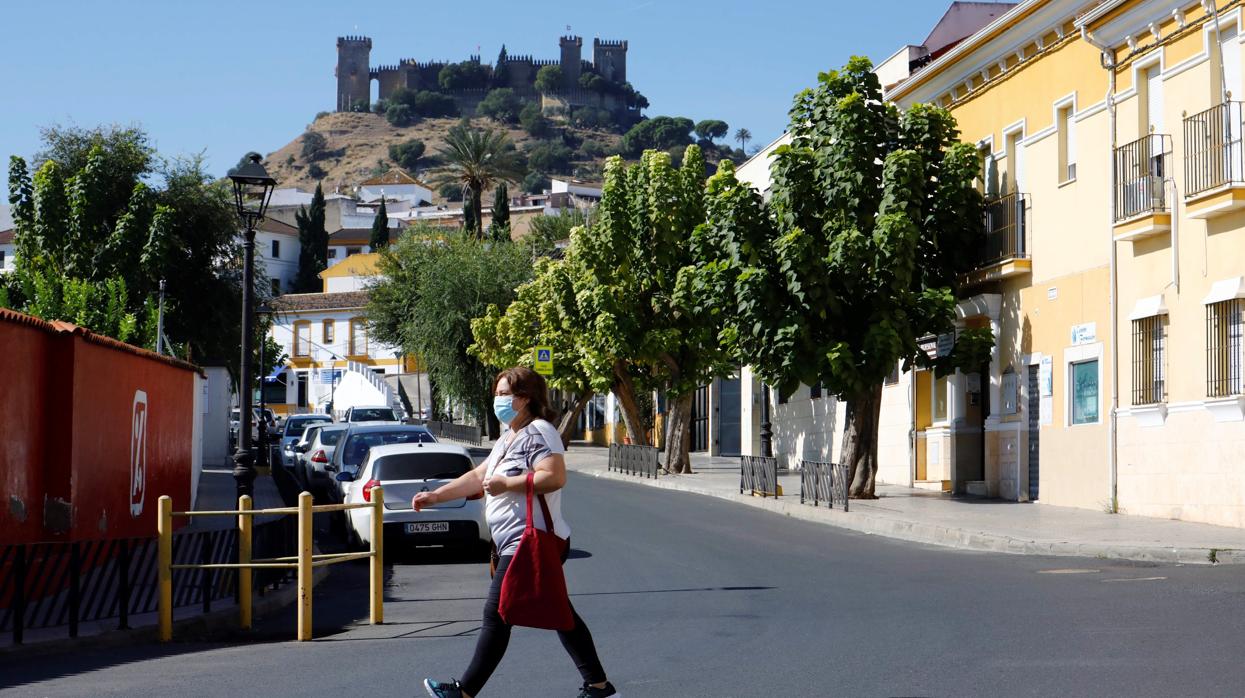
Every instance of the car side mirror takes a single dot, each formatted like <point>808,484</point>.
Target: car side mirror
<point>344,477</point>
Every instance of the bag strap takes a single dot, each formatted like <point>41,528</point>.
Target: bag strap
<point>531,487</point>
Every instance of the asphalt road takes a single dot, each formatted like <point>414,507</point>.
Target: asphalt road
<point>692,596</point>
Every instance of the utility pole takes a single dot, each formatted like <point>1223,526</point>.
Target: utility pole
<point>160,322</point>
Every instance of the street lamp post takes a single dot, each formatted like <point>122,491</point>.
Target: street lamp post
<point>252,190</point>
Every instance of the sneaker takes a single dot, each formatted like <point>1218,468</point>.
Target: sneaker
<point>438,689</point>
<point>589,692</point>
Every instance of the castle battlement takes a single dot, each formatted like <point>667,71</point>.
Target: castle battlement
<point>354,74</point>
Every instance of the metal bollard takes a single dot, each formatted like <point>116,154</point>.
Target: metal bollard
<point>378,551</point>
<point>244,558</point>
<point>304,566</point>
<point>164,527</point>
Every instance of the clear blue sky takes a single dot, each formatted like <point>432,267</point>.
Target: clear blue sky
<point>225,77</point>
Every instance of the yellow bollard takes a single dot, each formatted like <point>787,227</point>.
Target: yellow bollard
<point>244,558</point>
<point>378,556</point>
<point>164,527</point>
<point>304,566</point>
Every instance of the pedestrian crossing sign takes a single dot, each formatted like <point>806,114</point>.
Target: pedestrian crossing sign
<point>544,361</point>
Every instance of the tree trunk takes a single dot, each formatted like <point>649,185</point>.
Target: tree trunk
<point>679,435</point>
<point>624,391</point>
<point>860,441</point>
<point>566,426</point>
<point>477,206</point>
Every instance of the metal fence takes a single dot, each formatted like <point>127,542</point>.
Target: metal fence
<point>1141,171</point>
<point>52,585</point>
<point>758,475</point>
<point>1213,152</point>
<point>634,460</point>
<point>823,482</point>
<point>467,433</point>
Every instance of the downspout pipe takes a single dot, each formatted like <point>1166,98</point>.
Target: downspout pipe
<point>1107,58</point>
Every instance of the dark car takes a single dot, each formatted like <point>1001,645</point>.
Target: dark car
<point>353,446</point>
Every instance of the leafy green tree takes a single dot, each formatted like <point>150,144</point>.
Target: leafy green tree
<point>316,172</point>
<point>549,79</point>
<point>711,129</point>
<point>593,83</point>
<point>658,133</point>
<point>475,160</point>
<point>500,226</point>
<point>431,286</point>
<point>464,75</point>
<point>545,232</point>
<point>638,283</point>
<point>313,245</point>
<point>502,105</point>
<point>550,156</point>
<point>742,136</point>
<point>314,146</point>
<point>425,103</point>
<point>407,154</point>
<point>399,115</point>
<point>533,120</point>
<point>380,229</point>
<point>873,214</point>
<point>534,182</point>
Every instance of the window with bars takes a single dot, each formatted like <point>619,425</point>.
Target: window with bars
<point>1224,325</point>
<point>1149,360</point>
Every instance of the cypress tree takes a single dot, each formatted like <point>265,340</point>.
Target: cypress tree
<point>471,223</point>
<point>313,245</point>
<point>380,228</point>
<point>501,213</point>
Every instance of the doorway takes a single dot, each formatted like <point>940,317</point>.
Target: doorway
<point>729,417</point>
<point>1035,420</point>
<point>700,419</point>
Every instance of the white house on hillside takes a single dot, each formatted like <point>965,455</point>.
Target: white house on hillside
<point>277,247</point>
<point>395,185</point>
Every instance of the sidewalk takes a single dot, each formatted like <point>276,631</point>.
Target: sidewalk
<point>990,525</point>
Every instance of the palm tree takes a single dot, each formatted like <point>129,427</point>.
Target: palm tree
<point>476,159</point>
<point>743,135</point>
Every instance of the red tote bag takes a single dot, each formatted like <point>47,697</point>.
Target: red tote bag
<point>533,592</point>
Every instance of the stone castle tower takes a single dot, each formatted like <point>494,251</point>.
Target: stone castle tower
<point>355,72</point>
<point>354,80</point>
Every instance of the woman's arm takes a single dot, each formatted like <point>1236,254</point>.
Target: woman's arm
<point>550,477</point>
<point>464,485</point>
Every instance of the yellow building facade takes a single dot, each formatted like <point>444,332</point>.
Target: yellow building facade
<point>1111,144</point>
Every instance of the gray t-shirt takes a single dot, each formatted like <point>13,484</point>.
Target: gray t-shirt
<point>507,513</point>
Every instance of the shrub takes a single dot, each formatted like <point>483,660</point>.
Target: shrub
<point>360,104</point>
<point>316,171</point>
<point>550,156</point>
<point>533,119</point>
<point>501,105</point>
<point>321,114</point>
<point>592,117</point>
<point>549,79</point>
<point>534,182</point>
<point>433,104</point>
<point>451,191</point>
<point>314,146</point>
<point>407,154</point>
<point>592,149</point>
<point>467,74</point>
<point>658,133</point>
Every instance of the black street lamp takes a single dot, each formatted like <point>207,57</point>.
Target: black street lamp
<point>252,190</point>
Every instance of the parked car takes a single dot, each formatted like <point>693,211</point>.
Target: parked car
<point>235,419</point>
<point>314,454</point>
<point>353,446</point>
<point>370,413</point>
<point>404,470</point>
<point>295,426</point>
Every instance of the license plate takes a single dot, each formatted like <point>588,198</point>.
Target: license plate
<point>428,527</point>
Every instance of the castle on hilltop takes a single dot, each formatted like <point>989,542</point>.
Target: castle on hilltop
<point>609,61</point>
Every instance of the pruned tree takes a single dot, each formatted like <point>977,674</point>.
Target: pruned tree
<point>313,244</point>
<point>499,229</point>
<point>380,229</point>
<point>873,214</point>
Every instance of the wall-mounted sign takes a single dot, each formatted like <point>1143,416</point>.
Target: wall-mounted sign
<point>946,344</point>
<point>929,345</point>
<point>1046,376</point>
<point>1086,333</point>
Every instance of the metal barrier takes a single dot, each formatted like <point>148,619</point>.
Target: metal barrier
<point>759,475</point>
<point>634,460</point>
<point>467,433</point>
<point>821,481</point>
<point>53,585</point>
<point>303,562</point>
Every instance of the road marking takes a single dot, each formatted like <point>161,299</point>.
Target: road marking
<point>1135,579</point>
<point>1071,570</point>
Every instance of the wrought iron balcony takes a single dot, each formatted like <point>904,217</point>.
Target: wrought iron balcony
<point>1141,171</point>
<point>1005,229</point>
<point>1214,161</point>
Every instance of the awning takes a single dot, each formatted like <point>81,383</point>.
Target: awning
<point>1148,307</point>
<point>276,374</point>
<point>1225,290</point>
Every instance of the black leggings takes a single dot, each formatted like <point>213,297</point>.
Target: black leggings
<point>495,636</point>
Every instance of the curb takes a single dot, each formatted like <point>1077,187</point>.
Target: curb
<point>945,536</point>
<point>184,630</point>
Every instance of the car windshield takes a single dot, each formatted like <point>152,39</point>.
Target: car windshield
<point>297,427</point>
<point>358,445</point>
<point>421,466</point>
<point>373,414</point>
<point>330,437</point>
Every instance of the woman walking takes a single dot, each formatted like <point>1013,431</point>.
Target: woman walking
<point>528,444</point>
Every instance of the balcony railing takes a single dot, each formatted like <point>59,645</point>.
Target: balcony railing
<point>1213,154</point>
<point>1005,229</point>
<point>1141,171</point>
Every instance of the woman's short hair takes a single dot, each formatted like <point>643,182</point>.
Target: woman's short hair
<point>528,384</point>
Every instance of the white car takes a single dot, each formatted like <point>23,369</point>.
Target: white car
<point>370,413</point>
<point>404,470</point>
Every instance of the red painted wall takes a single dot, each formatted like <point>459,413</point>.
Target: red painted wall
<point>109,430</point>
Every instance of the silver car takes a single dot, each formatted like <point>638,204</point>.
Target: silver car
<point>315,456</point>
<point>295,425</point>
<point>405,470</point>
